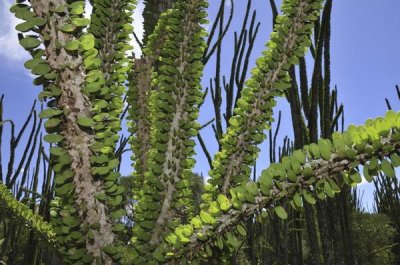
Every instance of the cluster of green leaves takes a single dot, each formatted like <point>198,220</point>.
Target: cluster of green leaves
<point>140,89</point>
<point>289,41</point>
<point>164,98</point>
<point>165,199</point>
<point>104,90</point>
<point>9,205</point>
<point>107,68</point>
<point>304,177</point>
<point>30,40</point>
<point>48,77</point>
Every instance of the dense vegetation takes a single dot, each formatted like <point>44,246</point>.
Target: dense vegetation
<point>300,210</point>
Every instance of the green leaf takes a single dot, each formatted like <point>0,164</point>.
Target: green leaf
<point>373,163</point>
<point>297,200</point>
<point>224,202</point>
<point>111,250</point>
<point>391,118</point>
<point>100,170</point>
<point>55,91</point>
<point>116,201</point>
<point>206,217</point>
<point>59,180</point>
<point>65,177</point>
<point>57,151</point>
<point>33,62</point>
<point>101,196</point>
<point>120,190</point>
<point>53,138</point>
<point>281,85</point>
<point>41,69</point>
<point>67,28</point>
<point>356,177</point>
<point>28,25</point>
<point>66,188</point>
<point>24,27</point>
<point>307,171</point>
<point>118,214</point>
<point>77,8</point>
<point>366,173</point>
<point>300,156</point>
<point>292,177</point>
<point>87,41</point>
<point>387,168</point>
<point>314,150</point>
<point>52,123</point>
<point>172,239</point>
<point>324,149</point>
<point>252,188</point>
<point>395,158</point>
<point>30,42</point>
<point>22,11</point>
<point>196,222</point>
<point>80,22</point>
<point>350,153</point>
<point>214,209</point>
<point>309,197</point>
<point>328,189</point>
<point>281,212</point>
<point>72,45</point>
<point>76,235</point>
<point>265,182</point>
<point>208,251</point>
<point>48,113</point>
<point>87,259</point>
<point>65,159</point>
<point>241,230</point>
<point>85,121</point>
<point>113,163</point>
<point>53,213</point>
<point>77,254</point>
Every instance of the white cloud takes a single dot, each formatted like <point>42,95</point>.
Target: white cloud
<point>9,45</point>
<point>11,50</point>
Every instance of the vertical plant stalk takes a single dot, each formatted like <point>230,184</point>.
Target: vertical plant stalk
<point>174,108</point>
<point>66,74</point>
<point>232,163</point>
<point>139,92</point>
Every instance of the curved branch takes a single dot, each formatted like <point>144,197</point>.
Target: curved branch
<point>298,179</point>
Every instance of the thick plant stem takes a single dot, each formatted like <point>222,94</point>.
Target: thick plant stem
<point>78,140</point>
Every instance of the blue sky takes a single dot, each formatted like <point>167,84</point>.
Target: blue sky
<point>365,64</point>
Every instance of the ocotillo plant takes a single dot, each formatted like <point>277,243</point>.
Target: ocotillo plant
<point>23,175</point>
<point>83,72</point>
